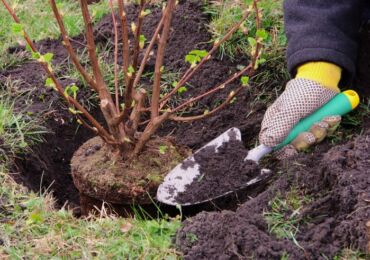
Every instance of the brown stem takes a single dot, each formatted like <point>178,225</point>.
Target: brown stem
<point>58,86</point>
<point>126,62</point>
<point>125,41</point>
<point>149,131</point>
<point>137,34</point>
<point>137,111</point>
<point>148,50</point>
<point>67,44</point>
<point>210,113</point>
<point>106,102</point>
<point>115,55</point>
<point>190,72</point>
<point>159,59</point>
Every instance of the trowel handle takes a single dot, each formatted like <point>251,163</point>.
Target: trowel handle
<point>340,104</point>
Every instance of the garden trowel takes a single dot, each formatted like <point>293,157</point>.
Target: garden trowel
<point>186,172</point>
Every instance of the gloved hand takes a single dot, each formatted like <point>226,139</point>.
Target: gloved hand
<point>300,98</point>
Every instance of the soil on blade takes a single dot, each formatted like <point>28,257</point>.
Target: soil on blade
<point>222,170</point>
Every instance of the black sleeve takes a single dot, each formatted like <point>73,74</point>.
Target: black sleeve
<point>322,30</point>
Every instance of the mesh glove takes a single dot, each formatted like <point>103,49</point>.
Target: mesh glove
<point>300,98</point>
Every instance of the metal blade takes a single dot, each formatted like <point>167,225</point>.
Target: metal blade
<point>187,171</point>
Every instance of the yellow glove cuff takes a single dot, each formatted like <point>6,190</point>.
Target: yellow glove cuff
<point>325,73</point>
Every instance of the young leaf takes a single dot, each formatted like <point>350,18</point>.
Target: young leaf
<point>49,83</point>
<point>162,149</point>
<point>252,41</point>
<point>199,53</point>
<point>130,71</point>
<point>244,80</point>
<point>182,89</point>
<point>145,12</point>
<point>262,33</point>
<point>48,57</point>
<point>36,55</point>
<point>142,41</point>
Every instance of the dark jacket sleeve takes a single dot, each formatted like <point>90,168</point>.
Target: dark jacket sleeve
<point>322,30</point>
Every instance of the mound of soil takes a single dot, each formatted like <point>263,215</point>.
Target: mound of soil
<point>339,183</point>
<point>100,174</point>
<point>221,171</point>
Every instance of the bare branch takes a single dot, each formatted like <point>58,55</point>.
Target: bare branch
<point>115,55</point>
<point>210,113</point>
<point>67,44</point>
<point>159,59</point>
<point>148,51</point>
<point>137,34</point>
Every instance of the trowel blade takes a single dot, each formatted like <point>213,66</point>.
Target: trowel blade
<point>188,171</point>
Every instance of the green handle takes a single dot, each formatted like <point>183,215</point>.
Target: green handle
<point>341,104</point>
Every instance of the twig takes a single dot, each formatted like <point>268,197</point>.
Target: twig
<point>137,34</point>
<point>148,51</point>
<point>67,44</point>
<point>193,118</point>
<point>115,55</point>
<point>159,59</point>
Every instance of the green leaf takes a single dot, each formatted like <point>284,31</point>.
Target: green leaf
<point>262,33</point>
<point>36,55</point>
<point>261,61</point>
<point>142,41</point>
<point>48,57</point>
<point>182,89</point>
<point>131,69</point>
<point>17,28</point>
<point>162,149</point>
<point>49,83</point>
<point>244,80</point>
<point>199,53</point>
<point>252,41</point>
<point>174,84</point>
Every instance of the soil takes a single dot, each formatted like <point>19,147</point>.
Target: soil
<point>335,176</point>
<point>338,181</point>
<point>214,165</point>
<point>99,173</point>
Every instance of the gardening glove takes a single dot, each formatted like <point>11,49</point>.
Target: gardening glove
<point>315,84</point>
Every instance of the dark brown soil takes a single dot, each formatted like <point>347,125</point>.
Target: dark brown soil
<point>214,167</point>
<point>100,174</point>
<point>339,183</point>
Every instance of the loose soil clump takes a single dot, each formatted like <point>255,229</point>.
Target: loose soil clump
<point>221,171</point>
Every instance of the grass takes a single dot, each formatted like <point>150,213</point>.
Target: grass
<point>19,128</point>
<point>225,13</point>
<point>41,24</point>
<point>282,217</point>
<point>32,228</point>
